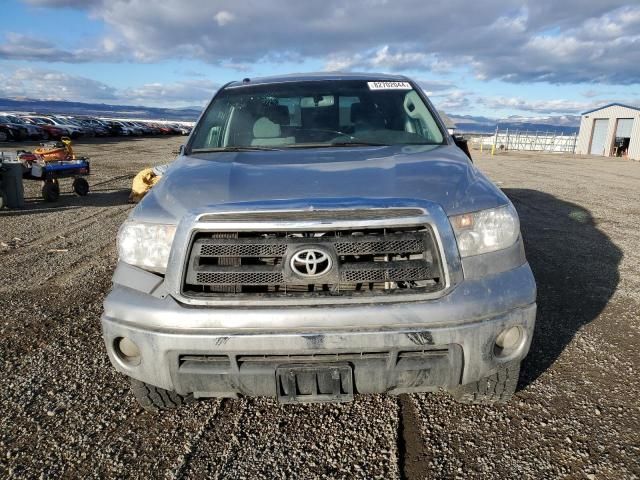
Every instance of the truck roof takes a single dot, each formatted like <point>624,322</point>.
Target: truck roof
<point>317,76</point>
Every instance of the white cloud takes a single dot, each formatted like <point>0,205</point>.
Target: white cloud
<point>46,84</point>
<point>454,100</point>
<point>514,40</point>
<point>53,85</point>
<point>556,106</point>
<point>601,49</point>
<point>189,92</point>
<point>224,17</point>
<point>383,58</point>
<point>65,3</point>
<point>546,106</point>
<point>19,46</point>
<point>435,85</point>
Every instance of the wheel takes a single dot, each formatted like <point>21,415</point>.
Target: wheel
<point>3,201</point>
<point>496,388</point>
<point>3,136</point>
<point>154,399</point>
<point>50,190</point>
<point>45,135</point>
<point>81,186</point>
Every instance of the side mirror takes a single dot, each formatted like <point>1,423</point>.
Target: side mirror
<point>462,144</point>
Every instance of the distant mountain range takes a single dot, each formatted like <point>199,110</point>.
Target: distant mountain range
<point>99,109</point>
<point>567,124</point>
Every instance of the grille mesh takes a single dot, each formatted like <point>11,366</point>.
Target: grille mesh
<point>241,278</point>
<point>386,275</point>
<point>378,247</point>
<point>242,250</point>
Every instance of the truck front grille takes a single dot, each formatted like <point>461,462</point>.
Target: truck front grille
<point>361,262</point>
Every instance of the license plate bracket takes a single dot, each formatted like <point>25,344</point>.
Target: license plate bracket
<point>297,383</point>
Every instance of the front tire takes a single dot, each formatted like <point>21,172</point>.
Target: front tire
<point>494,389</point>
<point>154,399</point>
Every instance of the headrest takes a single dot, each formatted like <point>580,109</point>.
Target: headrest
<point>278,114</point>
<point>357,112</point>
<point>366,113</point>
<point>265,128</point>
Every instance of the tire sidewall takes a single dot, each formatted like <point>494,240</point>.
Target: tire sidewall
<point>81,186</point>
<point>50,191</point>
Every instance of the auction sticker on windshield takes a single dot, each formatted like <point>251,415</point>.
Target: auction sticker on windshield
<point>389,85</point>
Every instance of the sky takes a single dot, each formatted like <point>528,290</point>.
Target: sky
<point>533,59</point>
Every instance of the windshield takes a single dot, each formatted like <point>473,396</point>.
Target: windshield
<point>42,121</point>
<point>317,114</point>
<point>13,119</point>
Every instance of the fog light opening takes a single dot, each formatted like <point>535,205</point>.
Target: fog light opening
<point>127,350</point>
<point>508,341</point>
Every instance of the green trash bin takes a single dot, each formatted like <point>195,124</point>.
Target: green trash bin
<point>12,188</point>
<point>3,198</point>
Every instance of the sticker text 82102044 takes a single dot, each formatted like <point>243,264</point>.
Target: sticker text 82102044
<point>389,85</point>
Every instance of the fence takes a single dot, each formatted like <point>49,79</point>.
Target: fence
<point>526,140</point>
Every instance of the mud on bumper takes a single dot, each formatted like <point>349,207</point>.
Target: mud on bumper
<point>392,348</point>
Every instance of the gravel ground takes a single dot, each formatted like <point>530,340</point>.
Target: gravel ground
<point>64,412</point>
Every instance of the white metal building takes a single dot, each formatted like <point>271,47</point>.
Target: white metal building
<point>611,131</point>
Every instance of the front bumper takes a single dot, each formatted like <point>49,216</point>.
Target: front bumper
<point>392,347</point>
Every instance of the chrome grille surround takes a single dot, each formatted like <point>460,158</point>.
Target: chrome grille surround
<point>432,217</point>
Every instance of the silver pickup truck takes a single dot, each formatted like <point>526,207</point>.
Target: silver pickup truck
<point>320,236</point>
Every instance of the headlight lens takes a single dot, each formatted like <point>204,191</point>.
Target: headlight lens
<point>486,231</point>
<point>146,245</point>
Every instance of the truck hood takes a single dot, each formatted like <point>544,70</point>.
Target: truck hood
<point>440,174</point>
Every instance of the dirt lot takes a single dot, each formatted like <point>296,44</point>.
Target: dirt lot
<point>64,412</point>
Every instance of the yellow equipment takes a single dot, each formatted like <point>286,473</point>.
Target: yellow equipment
<point>142,183</point>
<point>54,152</point>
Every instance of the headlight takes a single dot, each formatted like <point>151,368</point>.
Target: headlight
<point>486,231</point>
<point>146,245</point>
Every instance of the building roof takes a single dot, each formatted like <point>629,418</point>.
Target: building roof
<point>615,104</point>
<point>305,77</point>
<point>450,124</point>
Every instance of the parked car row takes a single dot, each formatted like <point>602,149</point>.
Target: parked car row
<point>19,127</point>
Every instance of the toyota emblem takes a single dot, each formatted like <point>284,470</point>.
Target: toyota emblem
<point>311,262</point>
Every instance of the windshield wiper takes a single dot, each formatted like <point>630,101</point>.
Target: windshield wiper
<point>337,144</point>
<point>247,148</point>
<point>359,144</point>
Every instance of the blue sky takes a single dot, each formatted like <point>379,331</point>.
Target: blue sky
<point>493,58</point>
